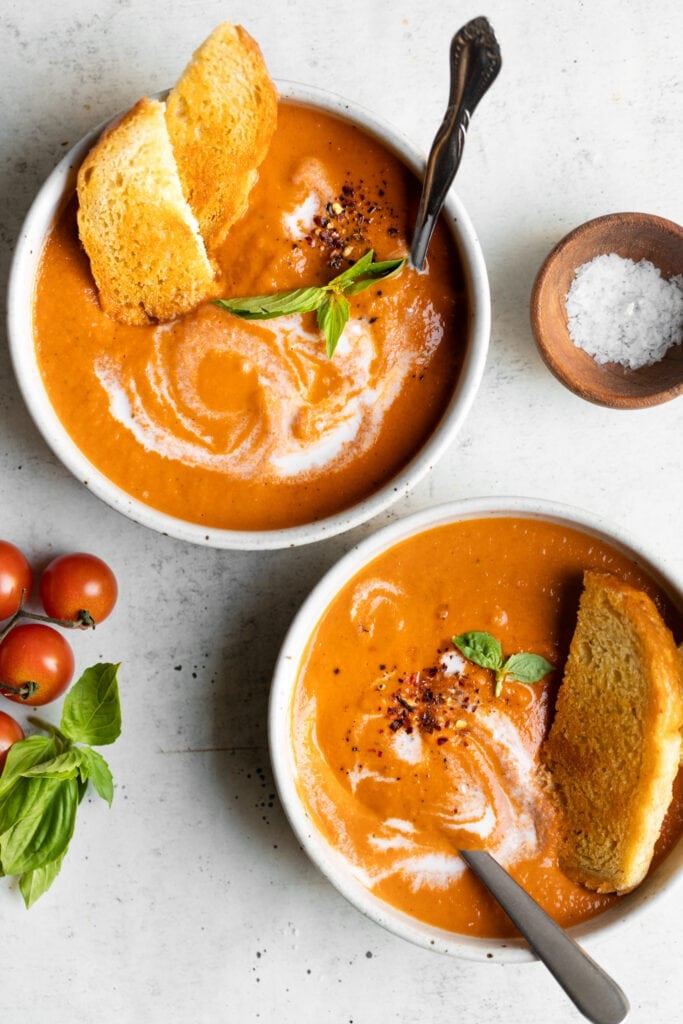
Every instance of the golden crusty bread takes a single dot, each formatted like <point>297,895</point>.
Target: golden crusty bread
<point>221,116</point>
<point>147,257</point>
<point>614,745</point>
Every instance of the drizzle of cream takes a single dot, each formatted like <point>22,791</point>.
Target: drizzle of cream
<point>372,596</point>
<point>408,746</point>
<point>452,663</point>
<point>299,220</point>
<point>293,433</point>
<point>491,793</point>
<point>295,427</point>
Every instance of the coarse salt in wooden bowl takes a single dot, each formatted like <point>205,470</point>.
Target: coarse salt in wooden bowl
<point>634,236</point>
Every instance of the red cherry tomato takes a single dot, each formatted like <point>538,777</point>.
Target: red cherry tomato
<point>16,579</point>
<point>78,588</point>
<point>36,664</point>
<point>10,732</point>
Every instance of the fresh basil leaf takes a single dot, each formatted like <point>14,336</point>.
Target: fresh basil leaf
<point>43,824</point>
<point>34,884</point>
<point>377,272</point>
<point>328,300</point>
<point>481,648</point>
<point>332,318</point>
<point>357,269</point>
<point>92,712</point>
<point>23,755</point>
<point>65,766</point>
<point>526,668</point>
<point>95,768</point>
<point>266,307</point>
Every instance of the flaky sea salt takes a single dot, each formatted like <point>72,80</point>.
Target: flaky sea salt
<point>624,312</point>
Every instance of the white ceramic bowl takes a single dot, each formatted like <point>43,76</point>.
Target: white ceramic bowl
<point>27,254</point>
<point>328,859</point>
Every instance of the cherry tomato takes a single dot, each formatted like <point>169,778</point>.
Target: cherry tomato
<point>78,588</point>
<point>36,662</point>
<point>10,732</point>
<point>16,579</point>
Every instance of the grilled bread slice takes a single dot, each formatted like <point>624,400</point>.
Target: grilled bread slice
<point>221,116</point>
<point>147,256</point>
<point>614,745</point>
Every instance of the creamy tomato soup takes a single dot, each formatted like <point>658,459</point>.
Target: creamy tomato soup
<point>248,425</point>
<point>403,753</point>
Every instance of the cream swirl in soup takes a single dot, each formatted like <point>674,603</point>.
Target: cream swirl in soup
<point>247,424</point>
<point>404,752</point>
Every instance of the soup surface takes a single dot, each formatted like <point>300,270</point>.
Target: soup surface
<point>403,752</point>
<point>248,425</point>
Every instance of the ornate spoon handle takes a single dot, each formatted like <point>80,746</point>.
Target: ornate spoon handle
<point>475,62</point>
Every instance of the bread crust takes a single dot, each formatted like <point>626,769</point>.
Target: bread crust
<point>160,190</point>
<point>614,746</point>
<point>146,254</point>
<point>221,116</point>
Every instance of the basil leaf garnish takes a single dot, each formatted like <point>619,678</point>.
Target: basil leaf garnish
<point>328,300</point>
<point>332,318</point>
<point>481,648</point>
<point>527,668</point>
<point>377,272</point>
<point>267,307</point>
<point>484,650</point>
<point>356,270</point>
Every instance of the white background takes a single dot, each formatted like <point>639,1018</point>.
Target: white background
<point>190,900</point>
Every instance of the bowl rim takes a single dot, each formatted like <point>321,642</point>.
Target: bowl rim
<point>327,859</point>
<point>605,396</point>
<point>21,283</point>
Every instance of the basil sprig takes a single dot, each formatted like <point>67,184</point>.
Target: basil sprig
<point>328,301</point>
<point>484,650</point>
<point>46,777</point>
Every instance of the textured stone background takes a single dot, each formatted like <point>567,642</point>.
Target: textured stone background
<point>190,900</point>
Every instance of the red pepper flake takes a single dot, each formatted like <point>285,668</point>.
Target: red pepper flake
<point>342,232</point>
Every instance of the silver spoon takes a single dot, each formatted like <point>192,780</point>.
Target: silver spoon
<point>475,62</point>
<point>592,991</point>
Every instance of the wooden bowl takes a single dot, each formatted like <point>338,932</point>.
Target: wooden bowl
<point>634,236</point>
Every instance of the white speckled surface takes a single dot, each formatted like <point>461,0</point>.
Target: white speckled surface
<point>189,900</point>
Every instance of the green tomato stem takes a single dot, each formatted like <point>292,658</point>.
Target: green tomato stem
<point>24,691</point>
<point>83,620</point>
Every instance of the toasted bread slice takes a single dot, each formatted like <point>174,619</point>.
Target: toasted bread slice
<point>614,745</point>
<point>221,116</point>
<point>147,256</point>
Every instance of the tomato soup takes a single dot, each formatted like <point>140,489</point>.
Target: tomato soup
<point>248,425</point>
<point>403,752</point>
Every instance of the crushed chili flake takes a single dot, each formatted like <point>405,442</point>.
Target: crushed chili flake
<point>341,231</point>
<point>431,700</point>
